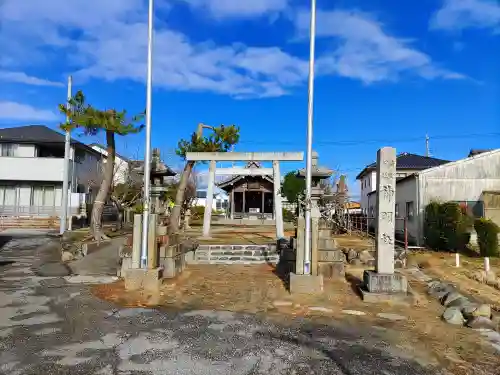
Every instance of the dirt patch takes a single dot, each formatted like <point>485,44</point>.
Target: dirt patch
<point>259,290</point>
<point>354,242</point>
<point>442,266</point>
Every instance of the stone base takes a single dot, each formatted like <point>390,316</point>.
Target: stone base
<point>143,279</point>
<point>384,283</point>
<point>379,287</point>
<point>305,284</point>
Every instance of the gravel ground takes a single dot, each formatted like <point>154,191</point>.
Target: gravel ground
<point>50,326</point>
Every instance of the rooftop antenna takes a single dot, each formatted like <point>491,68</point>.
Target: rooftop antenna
<point>427,150</point>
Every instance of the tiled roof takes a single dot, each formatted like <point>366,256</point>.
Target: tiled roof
<point>406,160</point>
<point>475,152</point>
<point>31,133</point>
<point>37,134</point>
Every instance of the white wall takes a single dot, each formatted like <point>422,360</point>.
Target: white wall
<point>25,151</point>
<point>368,184</point>
<point>31,169</point>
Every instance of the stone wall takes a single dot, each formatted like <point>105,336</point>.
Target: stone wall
<point>235,254</point>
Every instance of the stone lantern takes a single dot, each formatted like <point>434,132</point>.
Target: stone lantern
<point>159,172</point>
<point>319,174</point>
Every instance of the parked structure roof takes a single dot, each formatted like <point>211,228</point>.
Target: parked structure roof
<point>407,160</point>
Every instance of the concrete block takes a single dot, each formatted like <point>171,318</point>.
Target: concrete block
<point>325,243</point>
<point>325,233</point>
<point>385,283</point>
<point>331,256</point>
<point>143,279</point>
<point>332,270</point>
<point>305,284</point>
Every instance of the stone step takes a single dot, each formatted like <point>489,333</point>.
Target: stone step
<point>237,260</point>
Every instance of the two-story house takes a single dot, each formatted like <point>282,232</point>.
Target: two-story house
<point>122,164</point>
<point>32,171</point>
<point>406,164</point>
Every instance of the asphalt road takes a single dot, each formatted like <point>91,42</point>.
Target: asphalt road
<point>48,326</point>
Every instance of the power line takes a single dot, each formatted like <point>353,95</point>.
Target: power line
<point>365,141</point>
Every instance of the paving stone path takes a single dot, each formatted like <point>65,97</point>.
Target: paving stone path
<point>51,326</point>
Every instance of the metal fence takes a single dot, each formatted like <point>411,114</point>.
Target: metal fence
<point>38,211</point>
<point>365,225</point>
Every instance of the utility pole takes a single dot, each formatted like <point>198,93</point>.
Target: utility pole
<point>307,236</point>
<point>147,151</point>
<point>67,151</point>
<point>427,150</point>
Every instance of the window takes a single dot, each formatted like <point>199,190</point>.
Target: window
<point>397,210</point>
<point>8,149</point>
<point>409,210</point>
<point>7,196</point>
<point>43,196</point>
<point>218,205</point>
<point>201,194</point>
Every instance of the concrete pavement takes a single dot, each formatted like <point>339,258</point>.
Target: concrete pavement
<point>50,326</point>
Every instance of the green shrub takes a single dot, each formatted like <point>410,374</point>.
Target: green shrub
<point>487,237</point>
<point>138,208</point>
<point>446,226</point>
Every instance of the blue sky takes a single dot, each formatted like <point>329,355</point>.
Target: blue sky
<point>388,72</point>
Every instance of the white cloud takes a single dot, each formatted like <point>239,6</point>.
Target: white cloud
<point>20,77</point>
<point>239,8</point>
<point>463,14</point>
<point>361,49</point>
<point>107,41</point>
<point>112,46</point>
<point>25,112</point>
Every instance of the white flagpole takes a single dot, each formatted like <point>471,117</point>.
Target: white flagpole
<point>67,151</point>
<point>307,237</point>
<point>147,151</point>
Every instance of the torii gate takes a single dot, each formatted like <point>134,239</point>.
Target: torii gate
<point>275,157</point>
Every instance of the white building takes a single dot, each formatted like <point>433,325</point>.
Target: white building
<point>31,172</point>
<point>219,203</point>
<point>463,181</point>
<point>122,164</point>
<point>406,165</point>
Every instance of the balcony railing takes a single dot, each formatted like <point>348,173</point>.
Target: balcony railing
<point>41,211</point>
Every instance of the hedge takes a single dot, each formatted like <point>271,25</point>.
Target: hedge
<point>446,226</point>
<point>487,237</point>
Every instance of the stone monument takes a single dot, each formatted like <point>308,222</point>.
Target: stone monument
<point>383,284</point>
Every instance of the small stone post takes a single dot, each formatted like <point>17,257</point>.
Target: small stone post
<point>314,244</point>
<point>384,284</point>
<point>152,243</point>
<point>299,252</point>
<point>207,217</point>
<point>136,241</point>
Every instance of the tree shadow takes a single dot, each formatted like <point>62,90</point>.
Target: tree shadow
<point>280,270</point>
<point>355,282</point>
